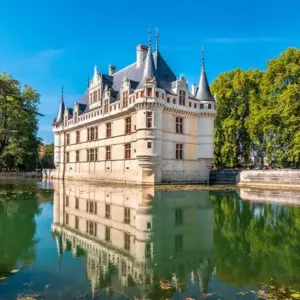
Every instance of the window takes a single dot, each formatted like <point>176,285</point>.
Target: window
<point>148,250</point>
<point>75,117</point>
<point>96,133</point>
<point>178,216</point>
<point>125,99</point>
<point>92,134</point>
<point>157,94</point>
<point>88,155</point>
<point>91,228</point>
<point>209,106</point>
<point>96,154</point>
<point>142,94</point>
<point>77,203</point>
<point>68,139</point>
<point>168,99</point>
<point>76,222</point>
<point>127,151</point>
<point>67,219</point>
<point>149,92</point>
<point>67,200</point>
<point>174,100</point>
<point>107,234</point>
<point>108,130</point>
<point>163,95</point>
<point>149,119</point>
<point>91,154</point>
<point>195,105</point>
<point>66,120</point>
<point>127,215</point>
<point>190,104</point>
<point>148,225</point>
<point>181,97</point>
<point>149,145</point>
<point>95,96</point>
<point>107,211</point>
<point>77,136</point>
<point>126,241</point>
<point>67,157</point>
<point>128,125</point>
<point>108,153</point>
<point>106,106</point>
<point>179,125</point>
<point>179,151</point>
<point>201,106</point>
<point>77,156</point>
<point>178,242</point>
<point>91,207</point>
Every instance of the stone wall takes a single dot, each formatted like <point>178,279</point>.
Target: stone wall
<point>5,175</point>
<point>223,176</point>
<point>274,178</point>
<point>283,197</point>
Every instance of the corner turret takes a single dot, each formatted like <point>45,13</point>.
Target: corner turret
<point>203,92</point>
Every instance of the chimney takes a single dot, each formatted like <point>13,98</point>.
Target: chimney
<point>111,70</point>
<point>141,52</point>
<point>194,89</point>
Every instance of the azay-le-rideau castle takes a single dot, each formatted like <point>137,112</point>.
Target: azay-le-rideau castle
<point>137,125</point>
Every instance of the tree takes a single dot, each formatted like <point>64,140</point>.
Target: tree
<point>275,119</point>
<point>46,156</point>
<point>235,91</point>
<point>18,125</point>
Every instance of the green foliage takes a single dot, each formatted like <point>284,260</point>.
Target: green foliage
<point>256,243</point>
<point>17,223</point>
<point>18,125</point>
<point>259,108</point>
<point>235,90</point>
<point>46,156</point>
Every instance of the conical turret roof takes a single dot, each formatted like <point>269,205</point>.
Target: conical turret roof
<point>203,92</point>
<point>149,66</point>
<point>61,110</point>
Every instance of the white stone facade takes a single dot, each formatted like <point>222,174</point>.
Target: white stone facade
<point>157,134</point>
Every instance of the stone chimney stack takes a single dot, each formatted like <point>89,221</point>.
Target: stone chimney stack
<point>111,70</point>
<point>141,52</point>
<point>194,86</point>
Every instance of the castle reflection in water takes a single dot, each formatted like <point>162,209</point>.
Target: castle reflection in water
<point>136,240</point>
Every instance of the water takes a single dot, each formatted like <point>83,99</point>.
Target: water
<point>79,241</point>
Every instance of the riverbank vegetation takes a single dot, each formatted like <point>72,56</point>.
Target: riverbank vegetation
<point>19,143</point>
<point>259,109</point>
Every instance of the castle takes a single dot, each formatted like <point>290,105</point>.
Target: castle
<point>138,125</point>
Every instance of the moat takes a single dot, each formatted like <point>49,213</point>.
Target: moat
<point>75,240</point>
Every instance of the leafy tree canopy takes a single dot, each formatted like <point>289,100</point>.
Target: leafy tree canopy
<point>262,109</point>
<point>19,143</point>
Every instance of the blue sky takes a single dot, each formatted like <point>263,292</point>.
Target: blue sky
<point>48,44</point>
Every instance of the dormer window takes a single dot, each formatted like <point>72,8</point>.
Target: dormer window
<point>125,99</point>
<point>106,106</point>
<point>149,92</point>
<point>181,97</point>
<point>142,94</point>
<point>66,120</point>
<point>75,117</point>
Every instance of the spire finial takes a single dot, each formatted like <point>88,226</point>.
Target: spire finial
<point>202,57</point>
<point>149,36</point>
<point>62,94</point>
<point>157,40</point>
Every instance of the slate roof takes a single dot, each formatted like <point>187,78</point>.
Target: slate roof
<point>153,65</point>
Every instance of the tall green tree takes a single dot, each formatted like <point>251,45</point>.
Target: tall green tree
<point>235,91</point>
<point>275,119</point>
<point>19,143</point>
<point>47,156</point>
